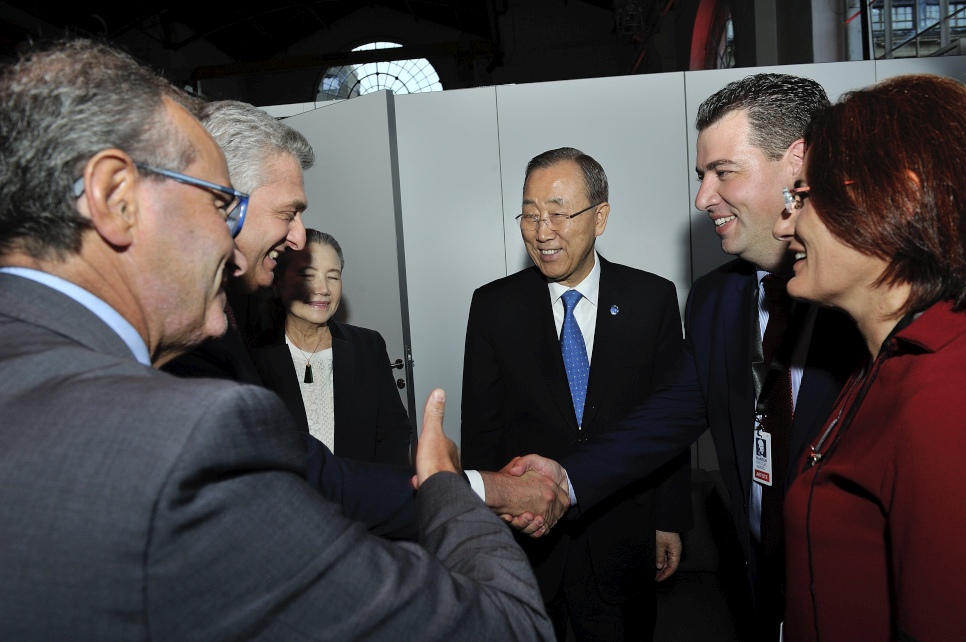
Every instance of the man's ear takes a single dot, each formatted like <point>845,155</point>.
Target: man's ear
<point>796,156</point>
<point>602,212</point>
<point>110,198</point>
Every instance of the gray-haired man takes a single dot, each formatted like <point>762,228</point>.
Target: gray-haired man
<point>266,159</point>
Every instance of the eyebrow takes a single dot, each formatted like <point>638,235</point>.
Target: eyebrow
<point>715,164</point>
<point>296,205</point>
<point>556,201</point>
<point>718,163</point>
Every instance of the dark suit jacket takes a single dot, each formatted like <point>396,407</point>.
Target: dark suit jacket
<point>371,423</point>
<point>516,400</point>
<point>224,357</point>
<point>711,387</point>
<point>137,505</point>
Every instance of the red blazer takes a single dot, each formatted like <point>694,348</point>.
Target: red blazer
<point>876,531</point>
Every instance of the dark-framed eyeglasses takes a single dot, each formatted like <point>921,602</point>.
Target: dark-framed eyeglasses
<point>235,210</point>
<point>556,222</point>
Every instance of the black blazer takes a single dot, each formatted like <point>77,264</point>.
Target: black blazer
<point>371,423</point>
<point>516,401</point>
<point>711,388</point>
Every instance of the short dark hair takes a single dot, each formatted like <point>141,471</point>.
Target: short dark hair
<point>594,176</point>
<point>901,144</point>
<point>63,103</point>
<point>779,108</point>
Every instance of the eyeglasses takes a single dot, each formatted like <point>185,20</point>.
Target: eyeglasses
<point>556,222</point>
<point>795,197</point>
<point>236,209</point>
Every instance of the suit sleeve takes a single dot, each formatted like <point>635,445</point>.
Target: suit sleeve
<point>672,505</point>
<point>482,426</point>
<point>659,429</point>
<point>378,495</point>
<point>393,430</point>
<point>258,554</point>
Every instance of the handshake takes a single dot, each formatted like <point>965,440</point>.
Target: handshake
<point>531,492</point>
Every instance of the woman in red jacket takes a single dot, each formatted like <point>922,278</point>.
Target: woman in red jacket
<point>876,521</point>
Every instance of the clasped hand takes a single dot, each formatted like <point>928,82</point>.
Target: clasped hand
<point>530,493</point>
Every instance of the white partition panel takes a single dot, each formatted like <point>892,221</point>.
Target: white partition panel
<point>634,127</point>
<point>351,193</point>
<point>449,175</point>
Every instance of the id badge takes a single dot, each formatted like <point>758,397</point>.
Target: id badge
<point>762,458</point>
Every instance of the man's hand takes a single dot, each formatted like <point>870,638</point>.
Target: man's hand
<point>668,556</point>
<point>546,467</point>
<point>435,451</point>
<point>525,497</point>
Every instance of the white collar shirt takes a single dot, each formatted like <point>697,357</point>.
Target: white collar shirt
<point>585,312</point>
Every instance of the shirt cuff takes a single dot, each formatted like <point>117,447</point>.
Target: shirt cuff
<point>476,483</point>
<point>570,489</point>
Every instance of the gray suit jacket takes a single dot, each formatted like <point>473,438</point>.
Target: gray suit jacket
<point>136,505</point>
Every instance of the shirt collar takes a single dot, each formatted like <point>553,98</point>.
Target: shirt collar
<point>589,288</point>
<point>97,306</point>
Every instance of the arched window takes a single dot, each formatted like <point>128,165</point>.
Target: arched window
<point>398,76</point>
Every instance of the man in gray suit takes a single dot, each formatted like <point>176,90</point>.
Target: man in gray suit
<point>137,505</point>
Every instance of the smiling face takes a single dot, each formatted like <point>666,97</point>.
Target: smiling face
<point>565,256</point>
<point>828,271</point>
<point>741,189</point>
<point>273,222</point>
<point>311,286</point>
<point>187,248</point>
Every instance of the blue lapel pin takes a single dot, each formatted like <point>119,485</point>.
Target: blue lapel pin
<point>614,309</point>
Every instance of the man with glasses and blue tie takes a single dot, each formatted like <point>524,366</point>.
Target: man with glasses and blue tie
<point>553,353</point>
<point>137,505</point>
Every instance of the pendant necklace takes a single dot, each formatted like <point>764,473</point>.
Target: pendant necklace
<point>308,378</point>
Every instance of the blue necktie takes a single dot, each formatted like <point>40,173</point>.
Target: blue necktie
<point>574,354</point>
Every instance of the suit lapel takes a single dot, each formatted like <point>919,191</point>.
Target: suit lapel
<point>827,365</point>
<point>538,314</point>
<point>277,358</point>
<point>607,341</point>
<point>738,324</point>
<point>343,374</point>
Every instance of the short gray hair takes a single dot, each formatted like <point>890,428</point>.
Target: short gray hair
<point>62,104</point>
<point>779,107</point>
<point>594,176</point>
<point>250,138</point>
